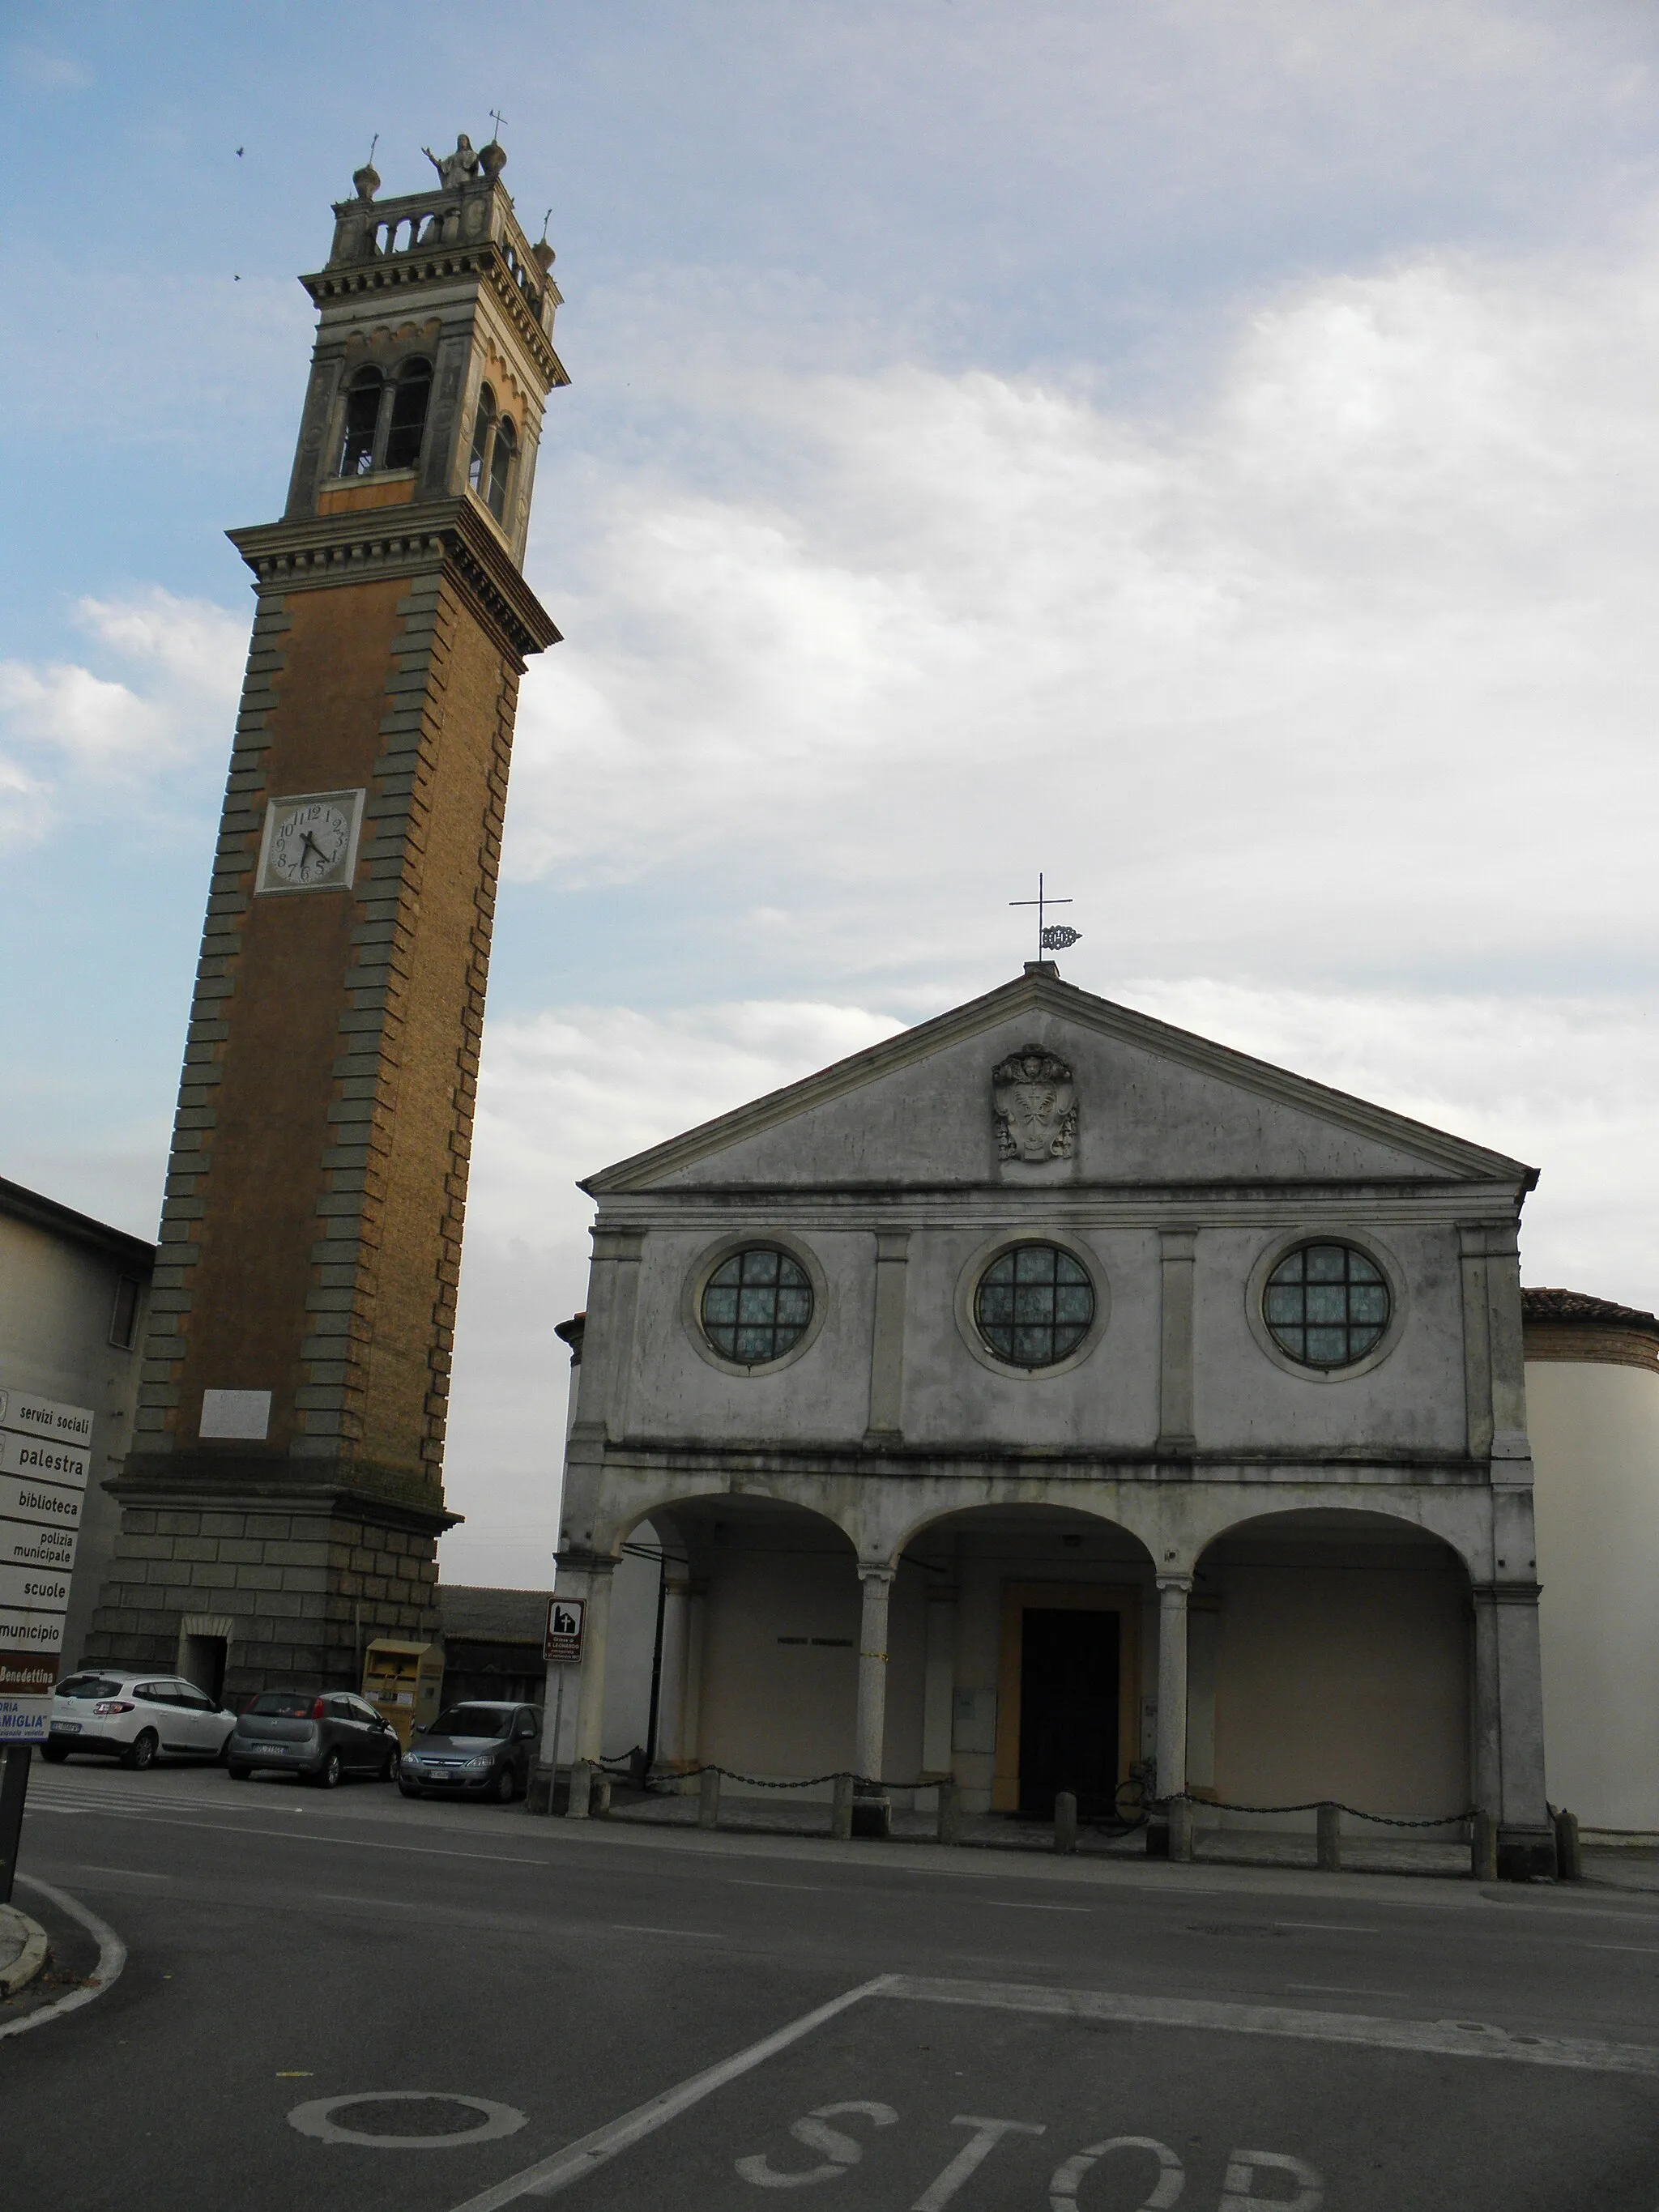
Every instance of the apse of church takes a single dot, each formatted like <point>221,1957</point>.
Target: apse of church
<point>284,1495</point>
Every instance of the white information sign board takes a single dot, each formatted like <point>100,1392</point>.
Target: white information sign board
<point>45,1459</point>
<point>563,1644</point>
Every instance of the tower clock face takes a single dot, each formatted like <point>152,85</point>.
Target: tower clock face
<point>310,843</point>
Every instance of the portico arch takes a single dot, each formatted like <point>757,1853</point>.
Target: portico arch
<point>1036,1645</point>
<point>761,1632</point>
<point>1330,1657</point>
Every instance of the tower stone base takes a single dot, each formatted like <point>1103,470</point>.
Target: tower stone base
<point>296,1584</point>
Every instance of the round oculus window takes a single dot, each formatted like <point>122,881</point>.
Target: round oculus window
<point>756,1305</point>
<point>1327,1305</point>
<point>1035,1305</point>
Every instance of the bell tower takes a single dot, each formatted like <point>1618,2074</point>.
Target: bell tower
<point>284,1495</point>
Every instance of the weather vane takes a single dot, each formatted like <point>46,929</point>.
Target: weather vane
<point>1052,936</point>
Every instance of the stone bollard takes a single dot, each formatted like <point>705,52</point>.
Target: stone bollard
<point>950,1813</point>
<point>840,1809</point>
<point>581,1789</point>
<point>1065,1822</point>
<point>872,1812</point>
<point>1181,1827</point>
<point>1483,1847</point>
<point>709,1798</point>
<point>599,1800</point>
<point>1329,1847</point>
<point>1569,1857</point>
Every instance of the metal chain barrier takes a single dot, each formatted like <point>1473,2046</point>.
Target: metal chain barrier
<point>1209,1804</point>
<point>1383,1819</point>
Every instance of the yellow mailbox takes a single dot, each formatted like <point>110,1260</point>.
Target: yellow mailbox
<point>402,1682</point>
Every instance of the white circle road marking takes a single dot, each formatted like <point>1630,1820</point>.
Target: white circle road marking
<point>314,2119</point>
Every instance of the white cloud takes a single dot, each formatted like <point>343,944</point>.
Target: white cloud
<point>172,704</point>
<point>1376,606</point>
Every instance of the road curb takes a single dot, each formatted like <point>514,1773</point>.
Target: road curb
<point>112,1957</point>
<point>30,1939</point>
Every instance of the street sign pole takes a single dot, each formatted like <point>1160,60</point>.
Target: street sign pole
<point>14,1788</point>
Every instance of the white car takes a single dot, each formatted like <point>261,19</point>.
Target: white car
<point>132,1718</point>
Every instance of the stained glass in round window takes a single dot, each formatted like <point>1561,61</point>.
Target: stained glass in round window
<point>1327,1305</point>
<point>1035,1305</point>
<point>756,1305</point>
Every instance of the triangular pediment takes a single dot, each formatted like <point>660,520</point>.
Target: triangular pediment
<point>1155,1105</point>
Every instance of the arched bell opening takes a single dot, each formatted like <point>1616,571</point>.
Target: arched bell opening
<point>1022,1659</point>
<point>1329,1658</point>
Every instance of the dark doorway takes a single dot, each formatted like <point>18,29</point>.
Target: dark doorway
<point>205,1664</point>
<point>1068,1709</point>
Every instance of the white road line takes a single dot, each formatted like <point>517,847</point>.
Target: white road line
<point>132,1873</point>
<point>698,1934</point>
<point>1341,1990</point>
<point>566,2165</point>
<point>1446,2038</point>
<point>391,1903</point>
<point>738,1882</point>
<point>111,1957</point>
<point>1016,1905</point>
<point>1327,1927</point>
<point>344,1842</point>
<point>1647,1950</point>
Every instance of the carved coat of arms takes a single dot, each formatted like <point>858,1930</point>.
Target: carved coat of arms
<point>1034,1106</point>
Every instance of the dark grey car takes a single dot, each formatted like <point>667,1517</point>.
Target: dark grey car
<point>478,1749</point>
<point>321,1734</point>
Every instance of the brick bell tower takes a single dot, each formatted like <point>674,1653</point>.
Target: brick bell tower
<point>284,1496</point>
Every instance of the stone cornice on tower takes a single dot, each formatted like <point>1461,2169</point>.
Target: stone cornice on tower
<point>309,552</point>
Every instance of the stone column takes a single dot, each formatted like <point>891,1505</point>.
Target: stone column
<point>1176,1247</point>
<point>1509,1727</point>
<point>1526,1840</point>
<point>869,1810</point>
<point>590,1712</point>
<point>676,1652</point>
<point>1485,1761</point>
<point>1173,1591</point>
<point>696,1614</point>
<point>939,1682</point>
<point>1477,1343</point>
<point>887,1335</point>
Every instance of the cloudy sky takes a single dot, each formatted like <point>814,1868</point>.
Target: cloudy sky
<point>1204,449</point>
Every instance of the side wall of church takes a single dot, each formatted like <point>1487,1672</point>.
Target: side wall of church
<point>1595,1431</point>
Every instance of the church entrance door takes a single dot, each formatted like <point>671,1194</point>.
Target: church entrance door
<point>1068,1709</point>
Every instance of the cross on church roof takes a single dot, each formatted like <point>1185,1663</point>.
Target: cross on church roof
<point>1052,936</point>
<point>500,122</point>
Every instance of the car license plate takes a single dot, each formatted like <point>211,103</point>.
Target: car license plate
<point>66,1727</point>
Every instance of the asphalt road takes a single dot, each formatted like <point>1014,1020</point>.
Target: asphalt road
<point>875,2027</point>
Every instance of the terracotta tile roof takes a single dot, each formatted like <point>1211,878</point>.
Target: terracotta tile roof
<point>473,1615</point>
<point>1577,1307</point>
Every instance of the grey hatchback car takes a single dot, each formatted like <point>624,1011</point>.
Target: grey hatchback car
<point>321,1735</point>
<point>478,1749</point>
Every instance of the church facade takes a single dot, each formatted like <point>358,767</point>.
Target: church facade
<point>1047,1399</point>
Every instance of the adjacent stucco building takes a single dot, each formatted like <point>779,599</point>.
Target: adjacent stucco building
<point>73,1293</point>
<point>1592,1414</point>
<point>1045,1392</point>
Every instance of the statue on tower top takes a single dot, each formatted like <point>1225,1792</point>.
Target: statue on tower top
<point>454,169</point>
